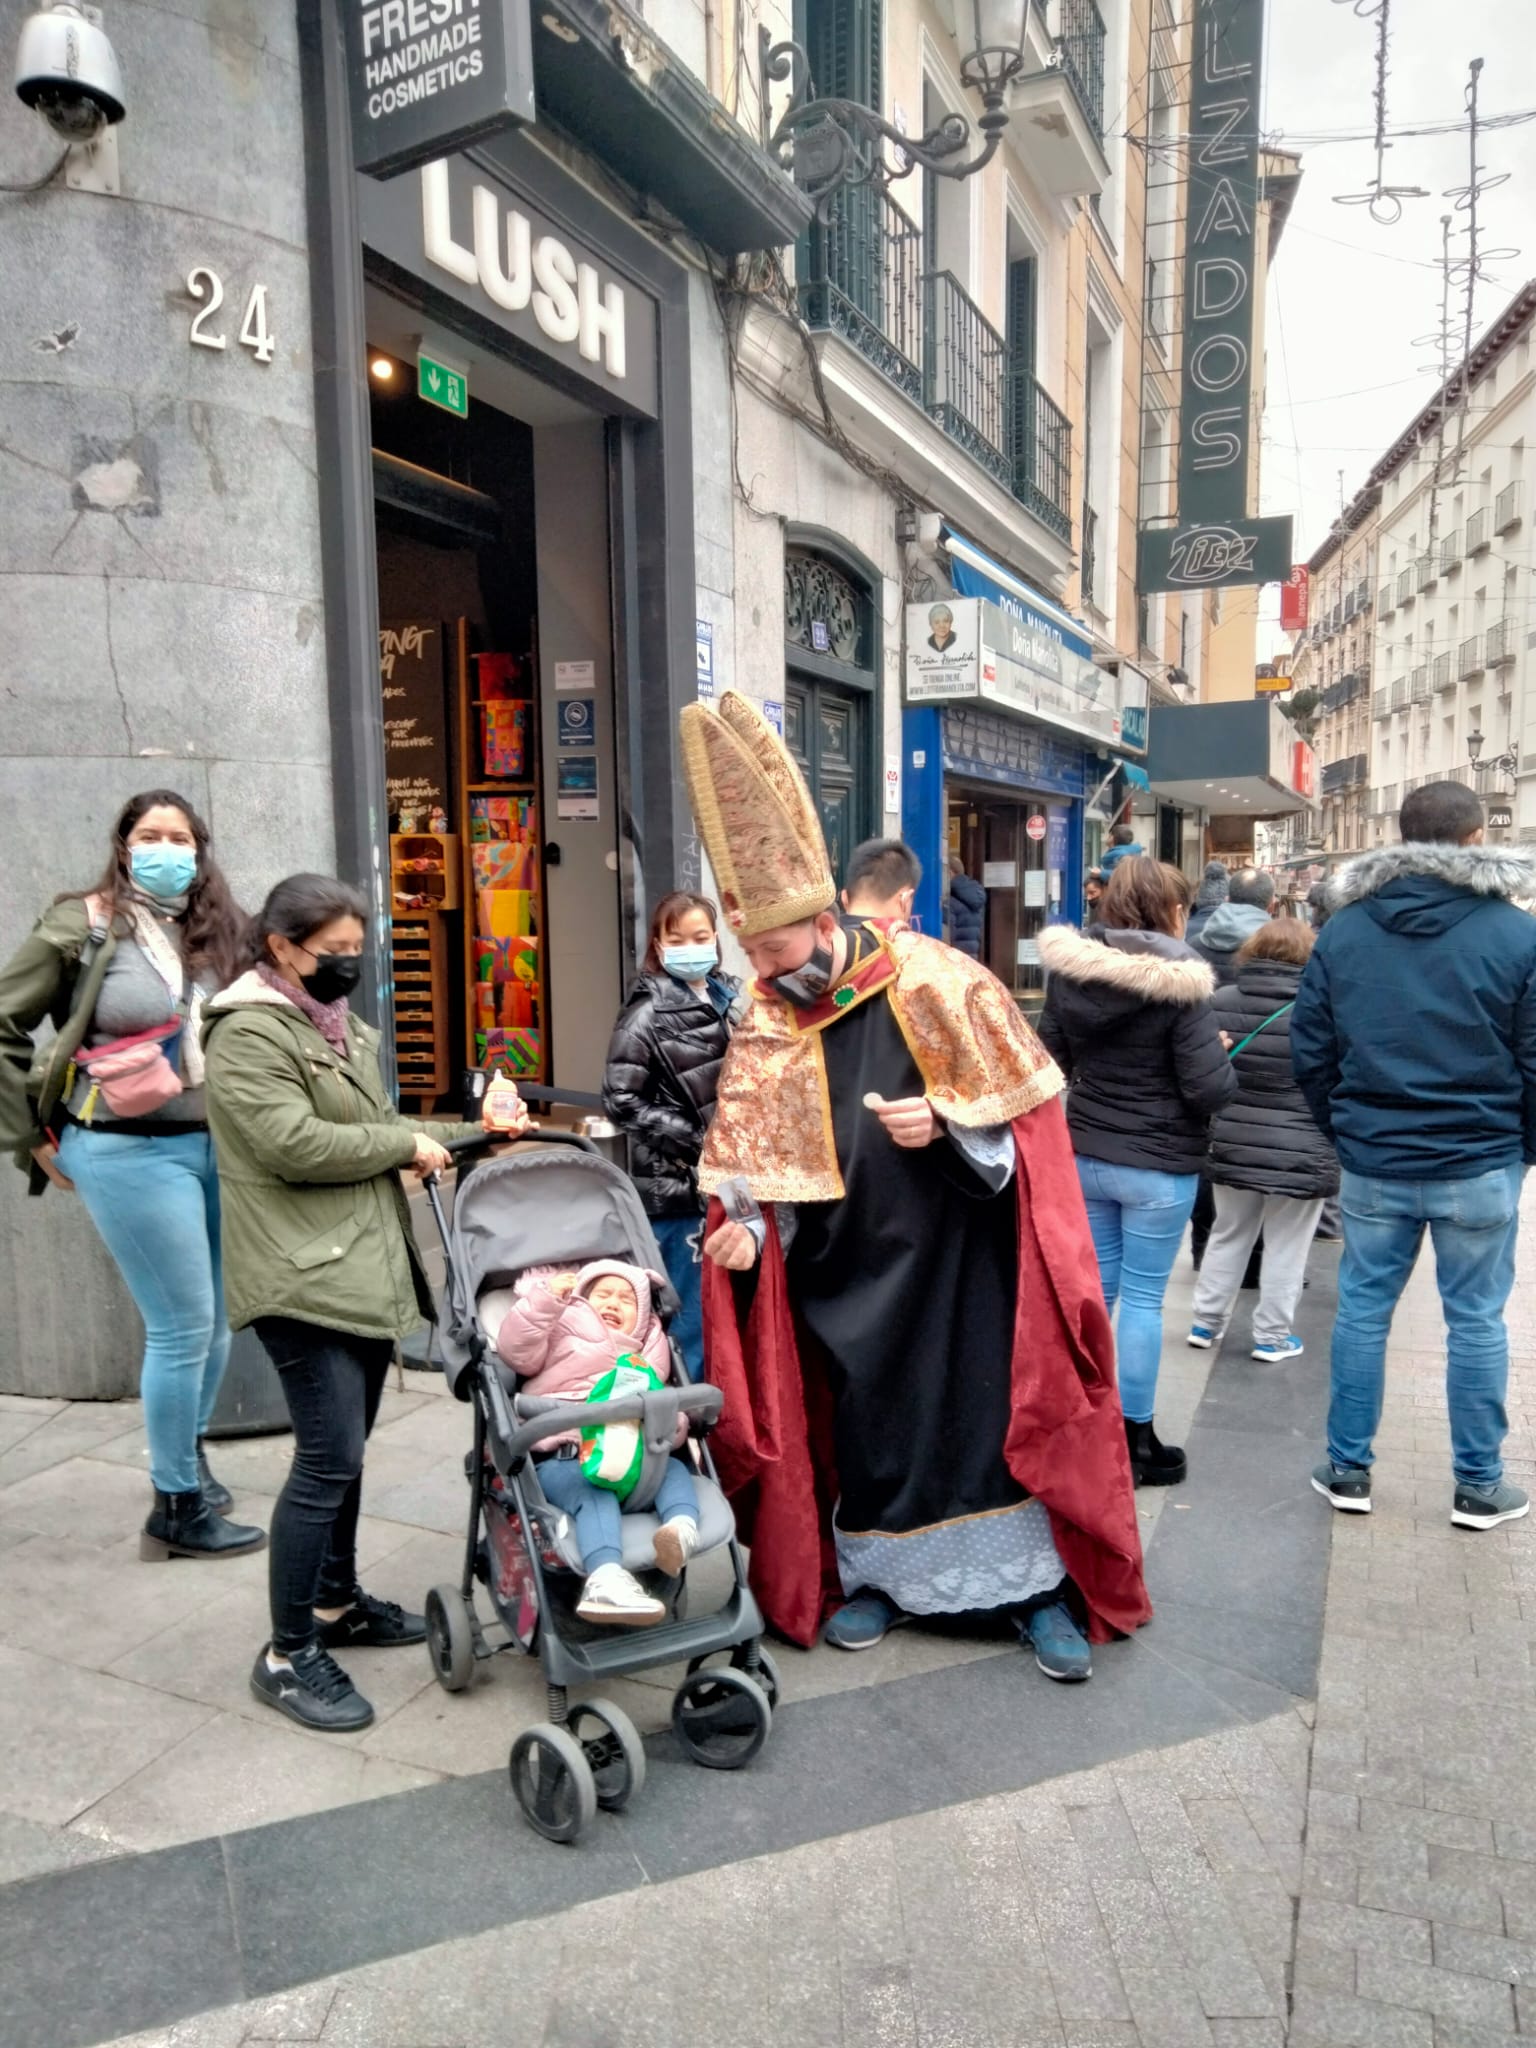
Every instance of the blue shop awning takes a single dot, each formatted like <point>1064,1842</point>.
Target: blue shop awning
<point>975,574</point>
<point>1138,778</point>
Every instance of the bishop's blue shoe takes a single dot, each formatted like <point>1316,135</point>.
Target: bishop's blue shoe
<point>867,1619</point>
<point>1060,1647</point>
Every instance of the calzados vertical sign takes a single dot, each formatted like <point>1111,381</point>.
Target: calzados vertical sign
<point>1215,542</point>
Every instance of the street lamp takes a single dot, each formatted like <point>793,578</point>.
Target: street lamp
<point>1506,764</point>
<point>827,144</point>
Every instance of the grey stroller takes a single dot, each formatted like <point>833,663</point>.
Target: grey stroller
<point>553,1200</point>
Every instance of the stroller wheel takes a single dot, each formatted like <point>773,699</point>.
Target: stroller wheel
<point>613,1751</point>
<point>552,1782</point>
<point>766,1672</point>
<point>450,1638</point>
<point>721,1717</point>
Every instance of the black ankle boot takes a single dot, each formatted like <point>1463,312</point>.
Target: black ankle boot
<point>215,1492</point>
<point>1153,1463</point>
<point>183,1525</point>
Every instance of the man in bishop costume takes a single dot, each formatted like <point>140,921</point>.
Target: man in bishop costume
<point>921,1415</point>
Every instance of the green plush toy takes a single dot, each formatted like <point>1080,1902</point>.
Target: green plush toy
<point>612,1453</point>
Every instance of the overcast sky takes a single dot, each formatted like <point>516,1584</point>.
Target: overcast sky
<point>1348,299</point>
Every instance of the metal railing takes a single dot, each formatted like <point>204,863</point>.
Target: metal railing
<point>1499,643</point>
<point>964,363</point>
<point>1405,589</point>
<point>1041,436</point>
<point>1090,554</point>
<point>1426,571</point>
<point>1444,671</point>
<point>1387,601</point>
<point>864,280</point>
<point>1470,656</point>
<point>1080,48</point>
<point>1508,507</point>
<point>1380,704</point>
<point>1419,690</point>
<point>1400,694</point>
<point>1478,536</point>
<point>1450,552</point>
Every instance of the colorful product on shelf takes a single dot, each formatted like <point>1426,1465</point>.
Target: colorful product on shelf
<point>504,739</point>
<point>499,677</point>
<point>513,1052</point>
<point>505,951</point>
<point>505,864</point>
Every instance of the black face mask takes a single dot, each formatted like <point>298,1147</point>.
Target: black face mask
<point>805,986</point>
<point>335,976</point>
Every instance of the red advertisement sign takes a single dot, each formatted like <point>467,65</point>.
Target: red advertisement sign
<point>1294,594</point>
<point>1303,772</point>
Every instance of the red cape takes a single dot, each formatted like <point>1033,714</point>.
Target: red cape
<point>1065,1442</point>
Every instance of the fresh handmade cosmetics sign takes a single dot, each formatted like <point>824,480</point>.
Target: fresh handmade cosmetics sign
<point>428,76</point>
<point>968,647</point>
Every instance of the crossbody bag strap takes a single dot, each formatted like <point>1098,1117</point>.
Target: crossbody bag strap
<point>95,958</point>
<point>1253,1034</point>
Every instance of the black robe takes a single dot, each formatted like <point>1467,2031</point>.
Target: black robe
<point>908,1287</point>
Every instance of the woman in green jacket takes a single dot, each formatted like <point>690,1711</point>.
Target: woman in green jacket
<point>136,958</point>
<point>319,1259</point>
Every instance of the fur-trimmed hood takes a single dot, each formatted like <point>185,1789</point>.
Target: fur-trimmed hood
<point>1141,967</point>
<point>1507,871</point>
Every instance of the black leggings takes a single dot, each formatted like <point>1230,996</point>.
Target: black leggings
<point>332,1383</point>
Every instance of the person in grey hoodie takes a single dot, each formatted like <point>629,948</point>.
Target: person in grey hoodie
<point>1209,898</point>
<point>1250,903</point>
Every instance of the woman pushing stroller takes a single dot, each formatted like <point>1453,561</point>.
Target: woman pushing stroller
<point>565,1334</point>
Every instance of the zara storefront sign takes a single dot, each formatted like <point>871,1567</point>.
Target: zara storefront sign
<point>1215,543</point>
<point>429,76</point>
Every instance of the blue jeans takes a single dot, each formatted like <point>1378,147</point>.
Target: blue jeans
<point>1473,1224</point>
<point>679,1238</point>
<point>155,1202</point>
<point>597,1512</point>
<point>1137,1218</point>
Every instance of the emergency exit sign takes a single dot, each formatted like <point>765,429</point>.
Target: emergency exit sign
<point>440,385</point>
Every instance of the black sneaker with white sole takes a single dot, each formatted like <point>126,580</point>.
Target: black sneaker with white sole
<point>371,1624</point>
<point>312,1689</point>
<point>1347,1486</point>
<point>1484,1507</point>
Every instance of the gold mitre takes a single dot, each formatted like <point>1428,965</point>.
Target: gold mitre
<point>755,816</point>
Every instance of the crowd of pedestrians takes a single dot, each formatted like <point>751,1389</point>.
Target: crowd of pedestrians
<point>909,1195</point>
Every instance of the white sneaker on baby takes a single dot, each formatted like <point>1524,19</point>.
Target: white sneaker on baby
<point>676,1541</point>
<point>616,1598</point>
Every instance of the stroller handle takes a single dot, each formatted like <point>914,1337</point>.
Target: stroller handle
<point>657,1411</point>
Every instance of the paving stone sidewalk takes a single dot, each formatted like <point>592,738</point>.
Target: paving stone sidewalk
<point>1356,1872</point>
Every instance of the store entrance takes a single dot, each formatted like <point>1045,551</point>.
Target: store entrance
<point>496,683</point>
<point>825,729</point>
<point>1015,846</point>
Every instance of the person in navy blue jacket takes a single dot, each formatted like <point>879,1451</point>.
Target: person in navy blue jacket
<point>1414,1042</point>
<point>967,909</point>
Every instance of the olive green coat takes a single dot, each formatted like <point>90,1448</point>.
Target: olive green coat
<point>35,985</point>
<point>310,1147</point>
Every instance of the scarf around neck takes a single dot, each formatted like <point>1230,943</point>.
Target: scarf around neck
<point>329,1019</point>
<point>160,943</point>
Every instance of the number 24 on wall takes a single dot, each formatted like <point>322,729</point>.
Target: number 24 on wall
<point>255,334</point>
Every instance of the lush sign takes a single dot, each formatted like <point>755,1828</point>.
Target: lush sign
<point>1215,542</point>
<point>430,76</point>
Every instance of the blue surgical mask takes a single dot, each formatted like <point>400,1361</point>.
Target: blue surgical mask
<point>164,870</point>
<point>690,963</point>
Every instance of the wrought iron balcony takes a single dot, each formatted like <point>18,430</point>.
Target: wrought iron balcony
<point>1387,602</point>
<point>1080,47</point>
<point>1400,694</point>
<point>965,382</point>
<point>1419,690</point>
<point>1405,587</point>
<point>1508,507</point>
<point>1499,646</point>
<point>1381,706</point>
<point>1471,663</point>
<point>862,277</point>
<point>1478,536</point>
<point>1426,570</point>
<point>1450,552</point>
<point>1444,669</point>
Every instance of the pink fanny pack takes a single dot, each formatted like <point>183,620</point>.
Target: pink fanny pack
<point>133,1074</point>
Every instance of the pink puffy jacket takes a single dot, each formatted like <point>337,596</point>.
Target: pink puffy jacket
<point>563,1347</point>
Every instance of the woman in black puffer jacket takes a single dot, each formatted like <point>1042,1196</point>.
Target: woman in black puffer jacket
<point>1128,1019</point>
<point>663,1068</point>
<point>1272,1167</point>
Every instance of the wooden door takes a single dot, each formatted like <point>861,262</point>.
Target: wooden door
<point>826,730</point>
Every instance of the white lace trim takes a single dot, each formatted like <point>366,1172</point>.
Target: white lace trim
<point>986,1560</point>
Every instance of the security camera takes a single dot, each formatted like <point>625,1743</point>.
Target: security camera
<point>67,69</point>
